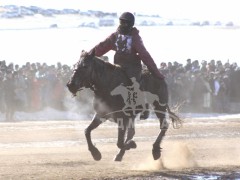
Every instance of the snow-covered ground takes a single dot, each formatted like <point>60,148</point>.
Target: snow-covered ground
<point>50,114</point>
<point>165,43</point>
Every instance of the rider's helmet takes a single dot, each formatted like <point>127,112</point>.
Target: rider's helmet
<point>129,17</point>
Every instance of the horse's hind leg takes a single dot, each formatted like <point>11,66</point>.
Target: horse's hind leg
<point>128,144</point>
<point>161,114</point>
<point>93,125</point>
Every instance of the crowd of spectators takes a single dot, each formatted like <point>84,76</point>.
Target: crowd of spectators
<point>32,87</point>
<point>194,86</point>
<point>203,86</point>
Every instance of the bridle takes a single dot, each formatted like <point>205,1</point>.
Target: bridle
<point>85,78</point>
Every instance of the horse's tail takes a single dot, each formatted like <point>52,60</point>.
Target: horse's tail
<point>176,121</point>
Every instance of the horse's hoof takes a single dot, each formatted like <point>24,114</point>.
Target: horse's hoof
<point>97,156</point>
<point>156,152</point>
<point>118,158</point>
<point>131,144</point>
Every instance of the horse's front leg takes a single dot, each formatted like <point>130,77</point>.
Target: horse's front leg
<point>156,151</point>
<point>93,125</point>
<point>145,112</point>
<point>128,144</point>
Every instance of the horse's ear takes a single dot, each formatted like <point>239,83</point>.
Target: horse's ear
<point>88,55</point>
<point>82,53</point>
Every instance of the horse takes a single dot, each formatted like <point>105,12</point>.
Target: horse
<point>102,78</point>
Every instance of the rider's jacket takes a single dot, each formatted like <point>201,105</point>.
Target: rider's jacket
<point>130,50</point>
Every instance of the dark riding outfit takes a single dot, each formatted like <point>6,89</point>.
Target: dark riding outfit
<point>129,48</point>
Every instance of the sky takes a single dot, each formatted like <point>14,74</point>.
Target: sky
<point>224,10</point>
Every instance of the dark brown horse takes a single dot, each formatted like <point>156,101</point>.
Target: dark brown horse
<point>102,78</point>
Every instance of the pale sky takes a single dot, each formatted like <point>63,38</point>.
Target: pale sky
<point>224,10</point>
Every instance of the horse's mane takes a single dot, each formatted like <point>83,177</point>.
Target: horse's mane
<point>100,62</point>
<point>104,64</point>
<point>108,70</point>
<point>103,72</point>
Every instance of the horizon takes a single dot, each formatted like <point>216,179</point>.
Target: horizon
<point>214,10</point>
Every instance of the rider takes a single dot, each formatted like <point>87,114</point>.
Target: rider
<point>129,48</point>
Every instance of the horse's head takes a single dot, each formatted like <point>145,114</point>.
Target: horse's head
<point>81,76</point>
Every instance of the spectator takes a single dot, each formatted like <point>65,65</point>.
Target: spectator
<point>9,95</point>
<point>188,66</point>
<point>204,66</point>
<point>21,90</point>
<point>2,106</point>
